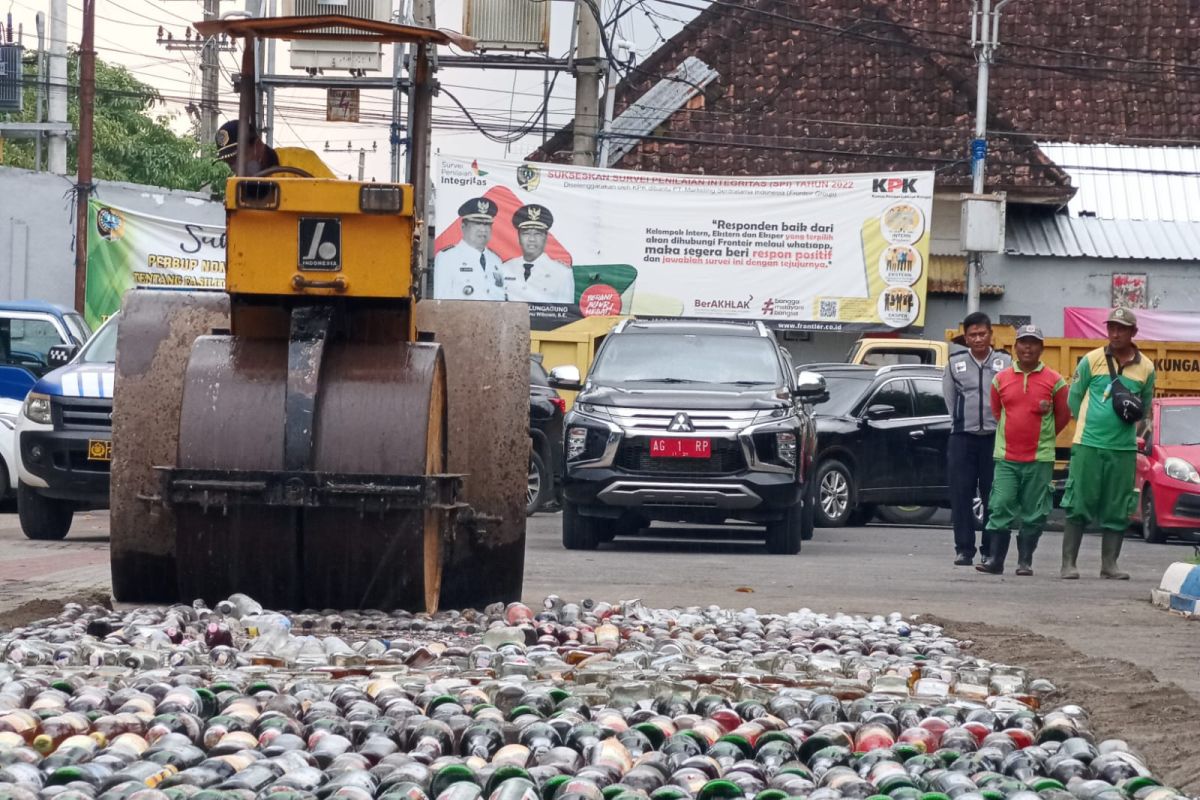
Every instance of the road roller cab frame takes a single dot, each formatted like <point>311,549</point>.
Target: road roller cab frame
<point>312,445</point>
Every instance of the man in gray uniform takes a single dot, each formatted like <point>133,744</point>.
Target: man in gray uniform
<point>469,270</point>
<point>967,387</point>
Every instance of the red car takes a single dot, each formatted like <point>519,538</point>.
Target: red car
<point>1168,482</point>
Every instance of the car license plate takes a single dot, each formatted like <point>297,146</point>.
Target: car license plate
<point>99,450</point>
<point>681,448</point>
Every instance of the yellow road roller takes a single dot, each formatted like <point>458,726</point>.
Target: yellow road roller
<point>314,436</point>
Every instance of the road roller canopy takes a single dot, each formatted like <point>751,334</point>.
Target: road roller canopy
<point>346,29</point>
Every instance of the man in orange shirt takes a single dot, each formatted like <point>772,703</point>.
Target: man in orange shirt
<point>1029,401</point>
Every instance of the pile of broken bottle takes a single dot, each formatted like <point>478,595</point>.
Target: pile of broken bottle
<point>586,701</point>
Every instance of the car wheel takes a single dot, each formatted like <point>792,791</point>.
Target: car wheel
<point>538,488</point>
<point>1151,532</point>
<point>808,518</point>
<point>42,518</point>
<point>578,531</point>
<point>835,494</point>
<point>784,535</point>
<point>906,515</point>
<point>5,490</point>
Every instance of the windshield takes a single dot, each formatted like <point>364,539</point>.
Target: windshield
<point>26,342</point>
<point>844,392</point>
<point>78,327</point>
<point>1179,425</point>
<point>101,348</point>
<point>688,358</point>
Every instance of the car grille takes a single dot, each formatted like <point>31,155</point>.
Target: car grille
<point>1188,505</point>
<point>83,414</point>
<point>654,420</point>
<point>634,456</point>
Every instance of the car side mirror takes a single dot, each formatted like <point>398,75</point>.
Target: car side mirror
<point>880,411</point>
<point>60,354</point>
<point>810,387</point>
<point>566,377</point>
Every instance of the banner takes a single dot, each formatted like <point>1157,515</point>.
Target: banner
<point>826,253</point>
<point>1153,325</point>
<point>127,249</point>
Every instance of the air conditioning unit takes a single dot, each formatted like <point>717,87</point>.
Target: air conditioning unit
<point>333,54</point>
<point>11,94</point>
<point>508,24</point>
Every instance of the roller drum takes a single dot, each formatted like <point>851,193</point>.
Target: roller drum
<point>380,409</point>
<point>154,338</point>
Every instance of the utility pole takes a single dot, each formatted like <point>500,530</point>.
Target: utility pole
<point>83,183</point>
<point>41,86</point>
<point>985,38</point>
<point>621,50</point>
<point>210,68</point>
<point>587,83</point>
<point>210,72</point>
<point>420,129</point>
<point>57,86</point>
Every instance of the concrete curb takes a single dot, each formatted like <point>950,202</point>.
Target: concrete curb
<point>1179,590</point>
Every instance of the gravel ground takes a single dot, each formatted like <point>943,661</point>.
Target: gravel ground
<point>1131,665</point>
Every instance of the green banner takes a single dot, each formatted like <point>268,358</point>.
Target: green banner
<point>128,249</point>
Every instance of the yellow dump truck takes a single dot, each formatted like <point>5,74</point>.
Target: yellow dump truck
<point>575,343</point>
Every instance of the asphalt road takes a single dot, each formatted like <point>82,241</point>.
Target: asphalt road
<point>875,569</point>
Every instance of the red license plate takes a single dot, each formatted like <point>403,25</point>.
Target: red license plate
<point>681,448</point>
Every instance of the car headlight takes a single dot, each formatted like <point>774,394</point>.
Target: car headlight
<point>37,408</point>
<point>576,442</point>
<point>785,446</point>
<point>1181,470</point>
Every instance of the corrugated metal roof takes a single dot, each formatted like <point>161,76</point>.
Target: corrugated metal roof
<point>1127,182</point>
<point>1047,234</point>
<point>657,105</point>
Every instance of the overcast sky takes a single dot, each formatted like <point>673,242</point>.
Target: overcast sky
<point>127,33</point>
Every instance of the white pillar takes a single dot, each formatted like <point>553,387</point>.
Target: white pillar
<point>57,111</point>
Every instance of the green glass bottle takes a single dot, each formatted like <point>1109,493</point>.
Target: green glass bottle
<point>720,790</point>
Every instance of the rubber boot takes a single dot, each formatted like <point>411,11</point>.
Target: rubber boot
<point>999,550</point>
<point>1072,538</point>
<point>1110,551</point>
<point>1027,542</point>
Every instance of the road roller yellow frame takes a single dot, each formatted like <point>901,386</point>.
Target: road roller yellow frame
<point>311,236</point>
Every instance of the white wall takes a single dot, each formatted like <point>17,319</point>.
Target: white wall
<point>37,228</point>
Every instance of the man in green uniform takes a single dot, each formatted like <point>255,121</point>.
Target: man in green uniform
<point>1029,401</point>
<point>1104,454</point>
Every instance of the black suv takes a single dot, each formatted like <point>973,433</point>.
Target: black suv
<point>546,410</point>
<point>697,422</point>
<point>881,440</point>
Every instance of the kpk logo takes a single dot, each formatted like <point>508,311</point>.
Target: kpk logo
<point>893,186</point>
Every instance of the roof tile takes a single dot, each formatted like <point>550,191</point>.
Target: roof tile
<point>866,86</point>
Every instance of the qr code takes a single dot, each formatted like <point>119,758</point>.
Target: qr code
<point>828,309</point>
